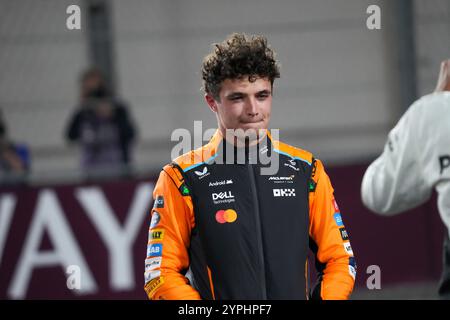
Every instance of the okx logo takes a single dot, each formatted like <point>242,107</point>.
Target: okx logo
<point>224,216</point>
<point>284,192</point>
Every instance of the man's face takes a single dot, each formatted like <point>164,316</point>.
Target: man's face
<point>92,82</point>
<point>243,104</point>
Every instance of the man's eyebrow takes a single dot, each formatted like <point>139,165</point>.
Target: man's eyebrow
<point>239,94</point>
<point>235,94</point>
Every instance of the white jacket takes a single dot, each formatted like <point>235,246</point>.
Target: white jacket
<point>415,160</point>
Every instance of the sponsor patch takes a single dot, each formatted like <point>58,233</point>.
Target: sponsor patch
<point>155,219</point>
<point>156,234</point>
<point>222,197</point>
<point>335,206</point>
<point>338,219</point>
<point>203,173</point>
<point>352,262</point>
<point>344,234</point>
<point>154,250</point>
<point>184,190</point>
<point>153,285</point>
<point>312,185</point>
<point>276,179</point>
<point>152,263</point>
<point>220,183</point>
<point>226,216</point>
<point>292,164</point>
<point>150,275</point>
<point>159,202</point>
<point>352,271</point>
<point>348,248</point>
<point>284,192</point>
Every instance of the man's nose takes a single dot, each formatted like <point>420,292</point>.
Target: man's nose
<point>252,107</point>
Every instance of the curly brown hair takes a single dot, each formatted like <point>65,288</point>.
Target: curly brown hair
<point>236,57</point>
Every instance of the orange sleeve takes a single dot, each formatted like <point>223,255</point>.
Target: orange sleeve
<point>172,220</point>
<point>330,243</point>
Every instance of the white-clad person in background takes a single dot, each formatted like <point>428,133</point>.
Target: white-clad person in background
<point>416,161</point>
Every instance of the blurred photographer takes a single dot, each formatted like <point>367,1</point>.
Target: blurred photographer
<point>101,125</point>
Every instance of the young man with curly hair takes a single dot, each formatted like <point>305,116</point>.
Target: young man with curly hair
<point>224,229</point>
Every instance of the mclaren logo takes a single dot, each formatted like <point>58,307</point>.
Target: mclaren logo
<point>276,179</point>
<point>284,192</point>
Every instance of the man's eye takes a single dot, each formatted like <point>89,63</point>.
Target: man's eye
<point>262,96</point>
<point>235,98</point>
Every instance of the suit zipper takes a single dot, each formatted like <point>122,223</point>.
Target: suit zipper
<point>259,230</point>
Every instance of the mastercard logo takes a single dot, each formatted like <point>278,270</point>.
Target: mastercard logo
<point>224,216</point>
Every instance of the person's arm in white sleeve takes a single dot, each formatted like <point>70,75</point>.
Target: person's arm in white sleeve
<point>394,182</point>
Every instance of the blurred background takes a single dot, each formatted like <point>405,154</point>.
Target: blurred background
<point>86,117</point>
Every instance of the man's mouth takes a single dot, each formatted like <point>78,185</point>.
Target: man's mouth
<point>249,122</point>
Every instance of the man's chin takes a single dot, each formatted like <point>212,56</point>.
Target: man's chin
<point>249,132</point>
<point>253,126</point>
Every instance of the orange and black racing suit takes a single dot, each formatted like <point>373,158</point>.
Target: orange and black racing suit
<point>222,230</point>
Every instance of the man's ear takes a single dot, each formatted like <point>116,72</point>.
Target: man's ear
<point>212,104</point>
